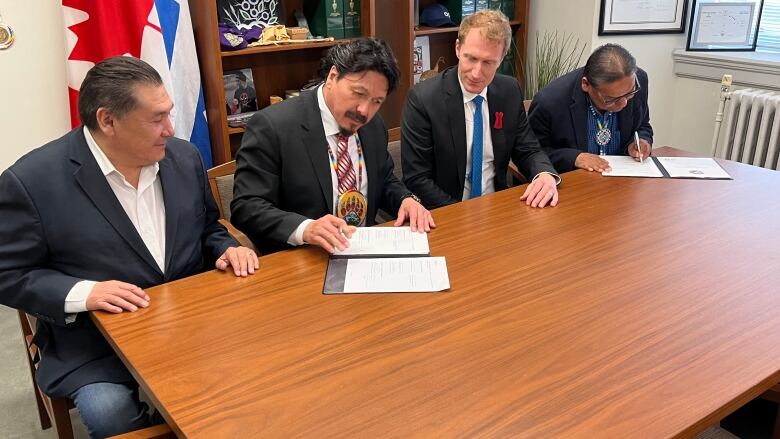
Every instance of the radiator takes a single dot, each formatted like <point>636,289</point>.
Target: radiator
<point>752,128</point>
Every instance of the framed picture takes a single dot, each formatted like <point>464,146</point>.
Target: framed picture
<point>626,17</point>
<point>720,25</point>
<point>421,57</point>
<point>240,96</point>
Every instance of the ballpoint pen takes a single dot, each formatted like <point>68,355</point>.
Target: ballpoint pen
<point>638,148</point>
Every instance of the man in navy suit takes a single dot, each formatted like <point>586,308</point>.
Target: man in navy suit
<point>595,110</point>
<point>460,129</point>
<point>93,218</point>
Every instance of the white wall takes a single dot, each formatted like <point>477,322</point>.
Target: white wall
<point>567,16</point>
<point>33,85</point>
<point>652,52</point>
<point>696,103</point>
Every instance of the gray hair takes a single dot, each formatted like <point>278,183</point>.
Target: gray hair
<point>609,63</point>
<point>110,85</point>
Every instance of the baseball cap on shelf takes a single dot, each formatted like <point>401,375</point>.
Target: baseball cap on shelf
<point>436,15</point>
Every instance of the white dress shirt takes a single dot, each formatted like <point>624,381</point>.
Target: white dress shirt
<point>488,170</point>
<point>331,128</point>
<point>144,207</point>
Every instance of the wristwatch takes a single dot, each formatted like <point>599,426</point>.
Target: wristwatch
<point>412,196</point>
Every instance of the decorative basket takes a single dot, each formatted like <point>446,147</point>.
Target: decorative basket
<point>297,33</point>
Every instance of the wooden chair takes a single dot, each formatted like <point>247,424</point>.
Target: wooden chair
<point>55,412</point>
<point>51,411</point>
<point>221,184</point>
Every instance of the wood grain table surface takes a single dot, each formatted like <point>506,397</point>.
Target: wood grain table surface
<point>638,307</point>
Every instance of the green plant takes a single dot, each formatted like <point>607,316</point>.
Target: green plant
<point>555,54</point>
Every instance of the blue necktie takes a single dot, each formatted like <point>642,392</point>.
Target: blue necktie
<point>476,149</point>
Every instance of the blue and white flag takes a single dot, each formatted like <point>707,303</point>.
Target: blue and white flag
<point>156,31</point>
<point>184,86</point>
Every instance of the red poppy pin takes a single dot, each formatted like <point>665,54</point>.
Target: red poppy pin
<point>499,120</point>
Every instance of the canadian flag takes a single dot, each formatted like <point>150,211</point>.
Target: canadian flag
<point>156,31</point>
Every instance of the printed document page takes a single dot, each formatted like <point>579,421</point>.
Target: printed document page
<point>396,275</point>
<point>386,241</point>
<point>626,166</point>
<point>690,167</point>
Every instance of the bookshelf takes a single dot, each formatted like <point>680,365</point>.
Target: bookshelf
<point>284,67</point>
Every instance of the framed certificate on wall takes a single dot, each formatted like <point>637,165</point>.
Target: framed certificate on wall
<point>725,25</point>
<point>642,16</point>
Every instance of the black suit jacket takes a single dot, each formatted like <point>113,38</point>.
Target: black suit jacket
<point>433,137</point>
<point>559,118</point>
<point>61,223</point>
<point>283,173</point>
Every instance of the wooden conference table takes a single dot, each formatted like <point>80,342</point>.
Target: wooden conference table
<point>638,307</point>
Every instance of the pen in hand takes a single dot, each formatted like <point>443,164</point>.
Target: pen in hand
<point>638,148</point>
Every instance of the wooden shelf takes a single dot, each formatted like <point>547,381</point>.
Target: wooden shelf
<point>282,48</point>
<point>282,67</point>
<point>426,30</point>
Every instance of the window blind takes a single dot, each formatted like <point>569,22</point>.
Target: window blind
<point>769,30</point>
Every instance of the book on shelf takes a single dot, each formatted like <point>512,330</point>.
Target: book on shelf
<point>326,17</point>
<point>459,9</point>
<point>351,18</point>
<point>494,4</point>
<point>481,5</point>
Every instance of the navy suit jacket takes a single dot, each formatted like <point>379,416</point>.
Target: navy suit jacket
<point>433,137</point>
<point>283,172</point>
<point>61,223</point>
<point>559,118</point>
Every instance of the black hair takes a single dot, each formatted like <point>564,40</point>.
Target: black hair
<point>360,55</point>
<point>609,63</point>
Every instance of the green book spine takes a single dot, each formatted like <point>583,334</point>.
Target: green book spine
<point>508,8</point>
<point>481,5</point>
<point>459,9</point>
<point>352,18</point>
<point>494,4</point>
<point>325,17</point>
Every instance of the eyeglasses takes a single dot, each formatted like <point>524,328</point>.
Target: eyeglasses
<point>609,101</point>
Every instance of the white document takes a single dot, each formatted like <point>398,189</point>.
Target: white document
<point>396,275</point>
<point>644,11</point>
<point>626,166</point>
<point>386,241</point>
<point>725,23</point>
<point>689,167</point>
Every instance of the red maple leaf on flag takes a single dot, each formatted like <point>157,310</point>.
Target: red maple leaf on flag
<point>111,28</point>
<point>114,27</point>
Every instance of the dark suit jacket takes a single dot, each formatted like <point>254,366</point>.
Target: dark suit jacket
<point>61,223</point>
<point>559,118</point>
<point>433,137</point>
<point>283,172</point>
